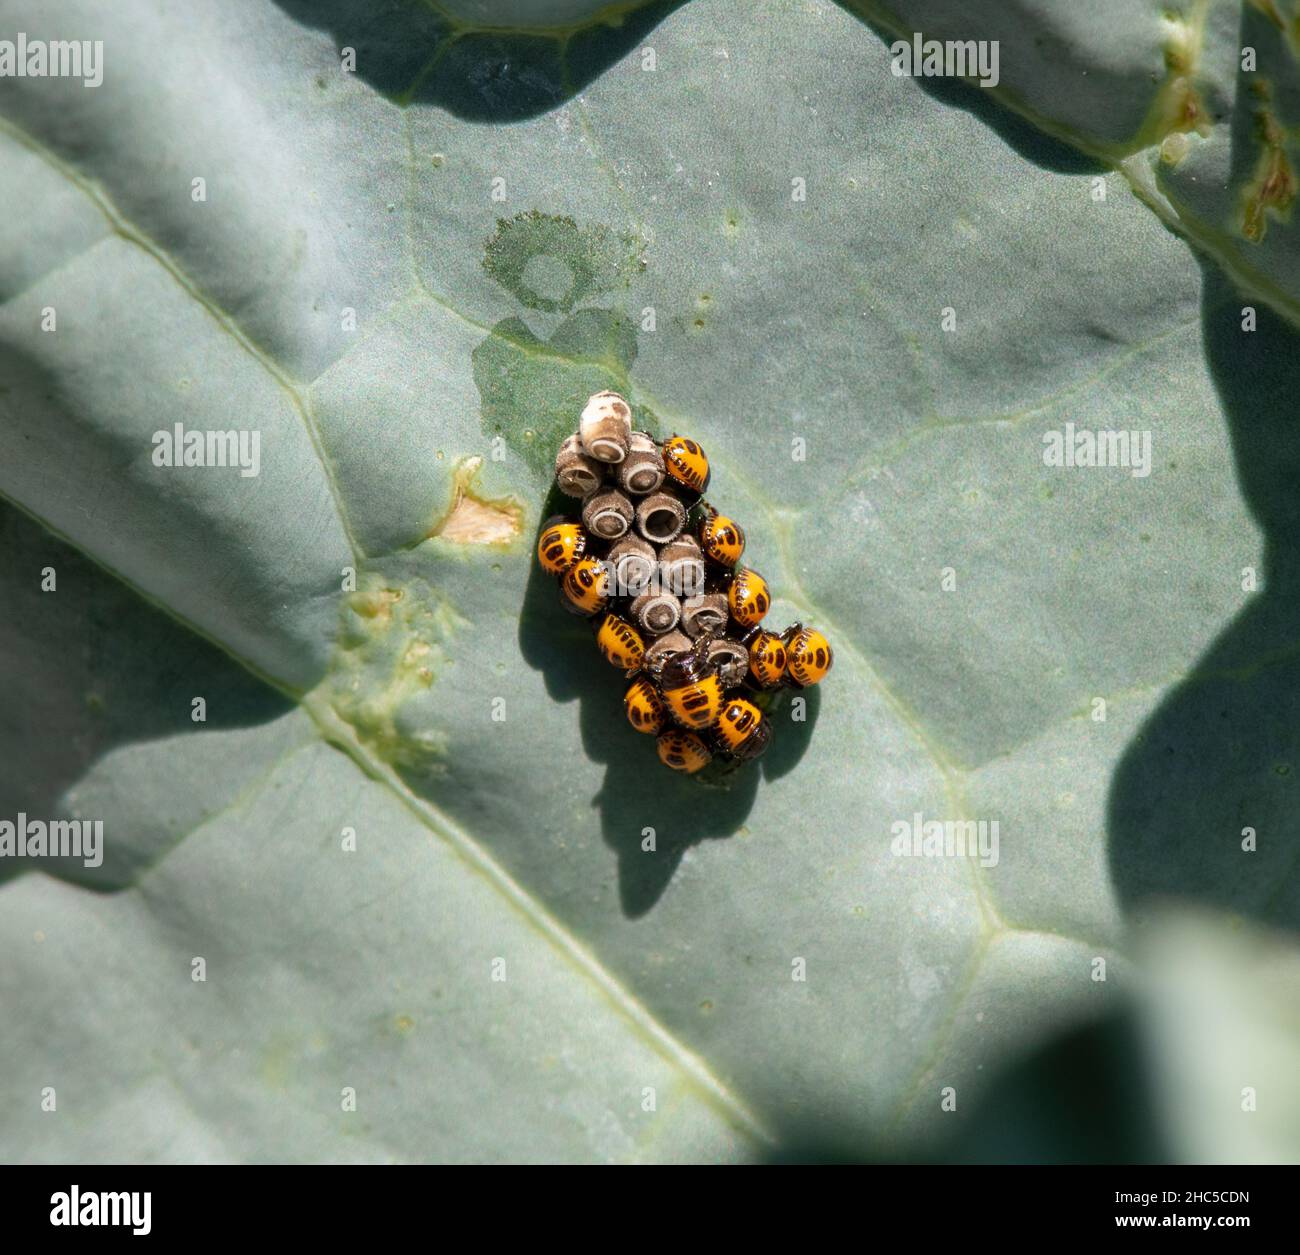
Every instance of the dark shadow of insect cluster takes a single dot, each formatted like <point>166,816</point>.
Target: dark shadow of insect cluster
<point>656,569</point>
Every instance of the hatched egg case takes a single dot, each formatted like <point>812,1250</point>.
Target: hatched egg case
<point>657,569</point>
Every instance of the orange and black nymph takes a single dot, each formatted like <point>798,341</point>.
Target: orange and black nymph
<point>691,690</point>
<point>686,462</point>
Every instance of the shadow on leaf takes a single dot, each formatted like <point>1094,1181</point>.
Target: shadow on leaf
<point>1217,764</point>
<point>981,103</point>
<point>1087,1096</point>
<point>87,668</point>
<point>639,797</point>
<point>415,52</point>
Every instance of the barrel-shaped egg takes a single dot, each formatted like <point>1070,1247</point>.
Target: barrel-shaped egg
<point>577,473</point>
<point>607,514</point>
<point>605,427</point>
<point>730,658</point>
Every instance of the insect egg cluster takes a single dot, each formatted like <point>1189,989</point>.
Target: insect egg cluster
<point>657,570</point>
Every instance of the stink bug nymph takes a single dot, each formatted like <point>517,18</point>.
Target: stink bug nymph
<point>767,658</point>
<point>683,751</point>
<point>644,707</point>
<point>748,597</point>
<point>685,462</point>
<point>691,690</point>
<point>585,587</point>
<point>742,729</point>
<point>809,656</point>
<point>619,642</point>
<point>721,538</point>
<point>560,545</point>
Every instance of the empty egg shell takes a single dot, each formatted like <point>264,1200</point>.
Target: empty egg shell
<point>657,611</point>
<point>642,471</point>
<point>681,567</point>
<point>706,614</point>
<point>660,651</point>
<point>660,517</point>
<point>578,474</point>
<point>607,514</point>
<point>730,657</point>
<point>605,427</point>
<point>633,564</point>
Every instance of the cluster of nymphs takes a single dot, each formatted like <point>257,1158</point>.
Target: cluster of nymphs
<point>656,569</point>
